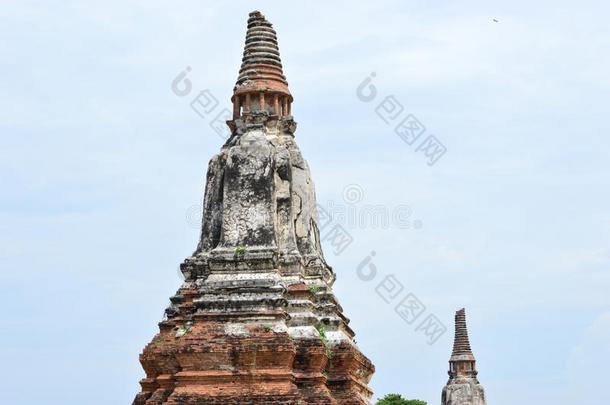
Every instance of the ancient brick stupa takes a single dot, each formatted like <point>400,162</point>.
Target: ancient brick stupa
<point>256,321</point>
<point>463,387</point>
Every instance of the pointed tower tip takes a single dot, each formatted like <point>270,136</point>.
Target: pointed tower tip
<point>461,344</point>
<point>462,361</point>
<point>261,84</point>
<point>261,68</point>
<point>463,386</point>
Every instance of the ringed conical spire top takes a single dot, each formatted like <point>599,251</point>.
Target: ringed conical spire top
<point>461,343</point>
<point>463,387</point>
<point>462,362</point>
<point>261,84</point>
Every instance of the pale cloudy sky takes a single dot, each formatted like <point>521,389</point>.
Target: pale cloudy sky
<point>101,163</point>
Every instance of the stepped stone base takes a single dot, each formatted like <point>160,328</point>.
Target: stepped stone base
<point>239,363</point>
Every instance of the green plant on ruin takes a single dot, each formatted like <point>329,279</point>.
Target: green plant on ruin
<point>321,328</point>
<point>240,251</point>
<point>314,289</point>
<point>329,351</point>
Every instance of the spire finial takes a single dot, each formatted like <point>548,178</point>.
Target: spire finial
<point>261,84</point>
<point>461,344</point>
<point>462,362</point>
<point>463,387</point>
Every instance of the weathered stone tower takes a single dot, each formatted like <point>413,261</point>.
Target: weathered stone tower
<point>256,321</point>
<point>463,387</point>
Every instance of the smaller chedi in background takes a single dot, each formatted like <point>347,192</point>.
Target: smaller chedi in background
<point>463,387</point>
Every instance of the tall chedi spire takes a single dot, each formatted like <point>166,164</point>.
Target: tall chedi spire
<point>256,320</point>
<point>463,387</point>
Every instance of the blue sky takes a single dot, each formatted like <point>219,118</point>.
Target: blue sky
<point>101,164</point>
